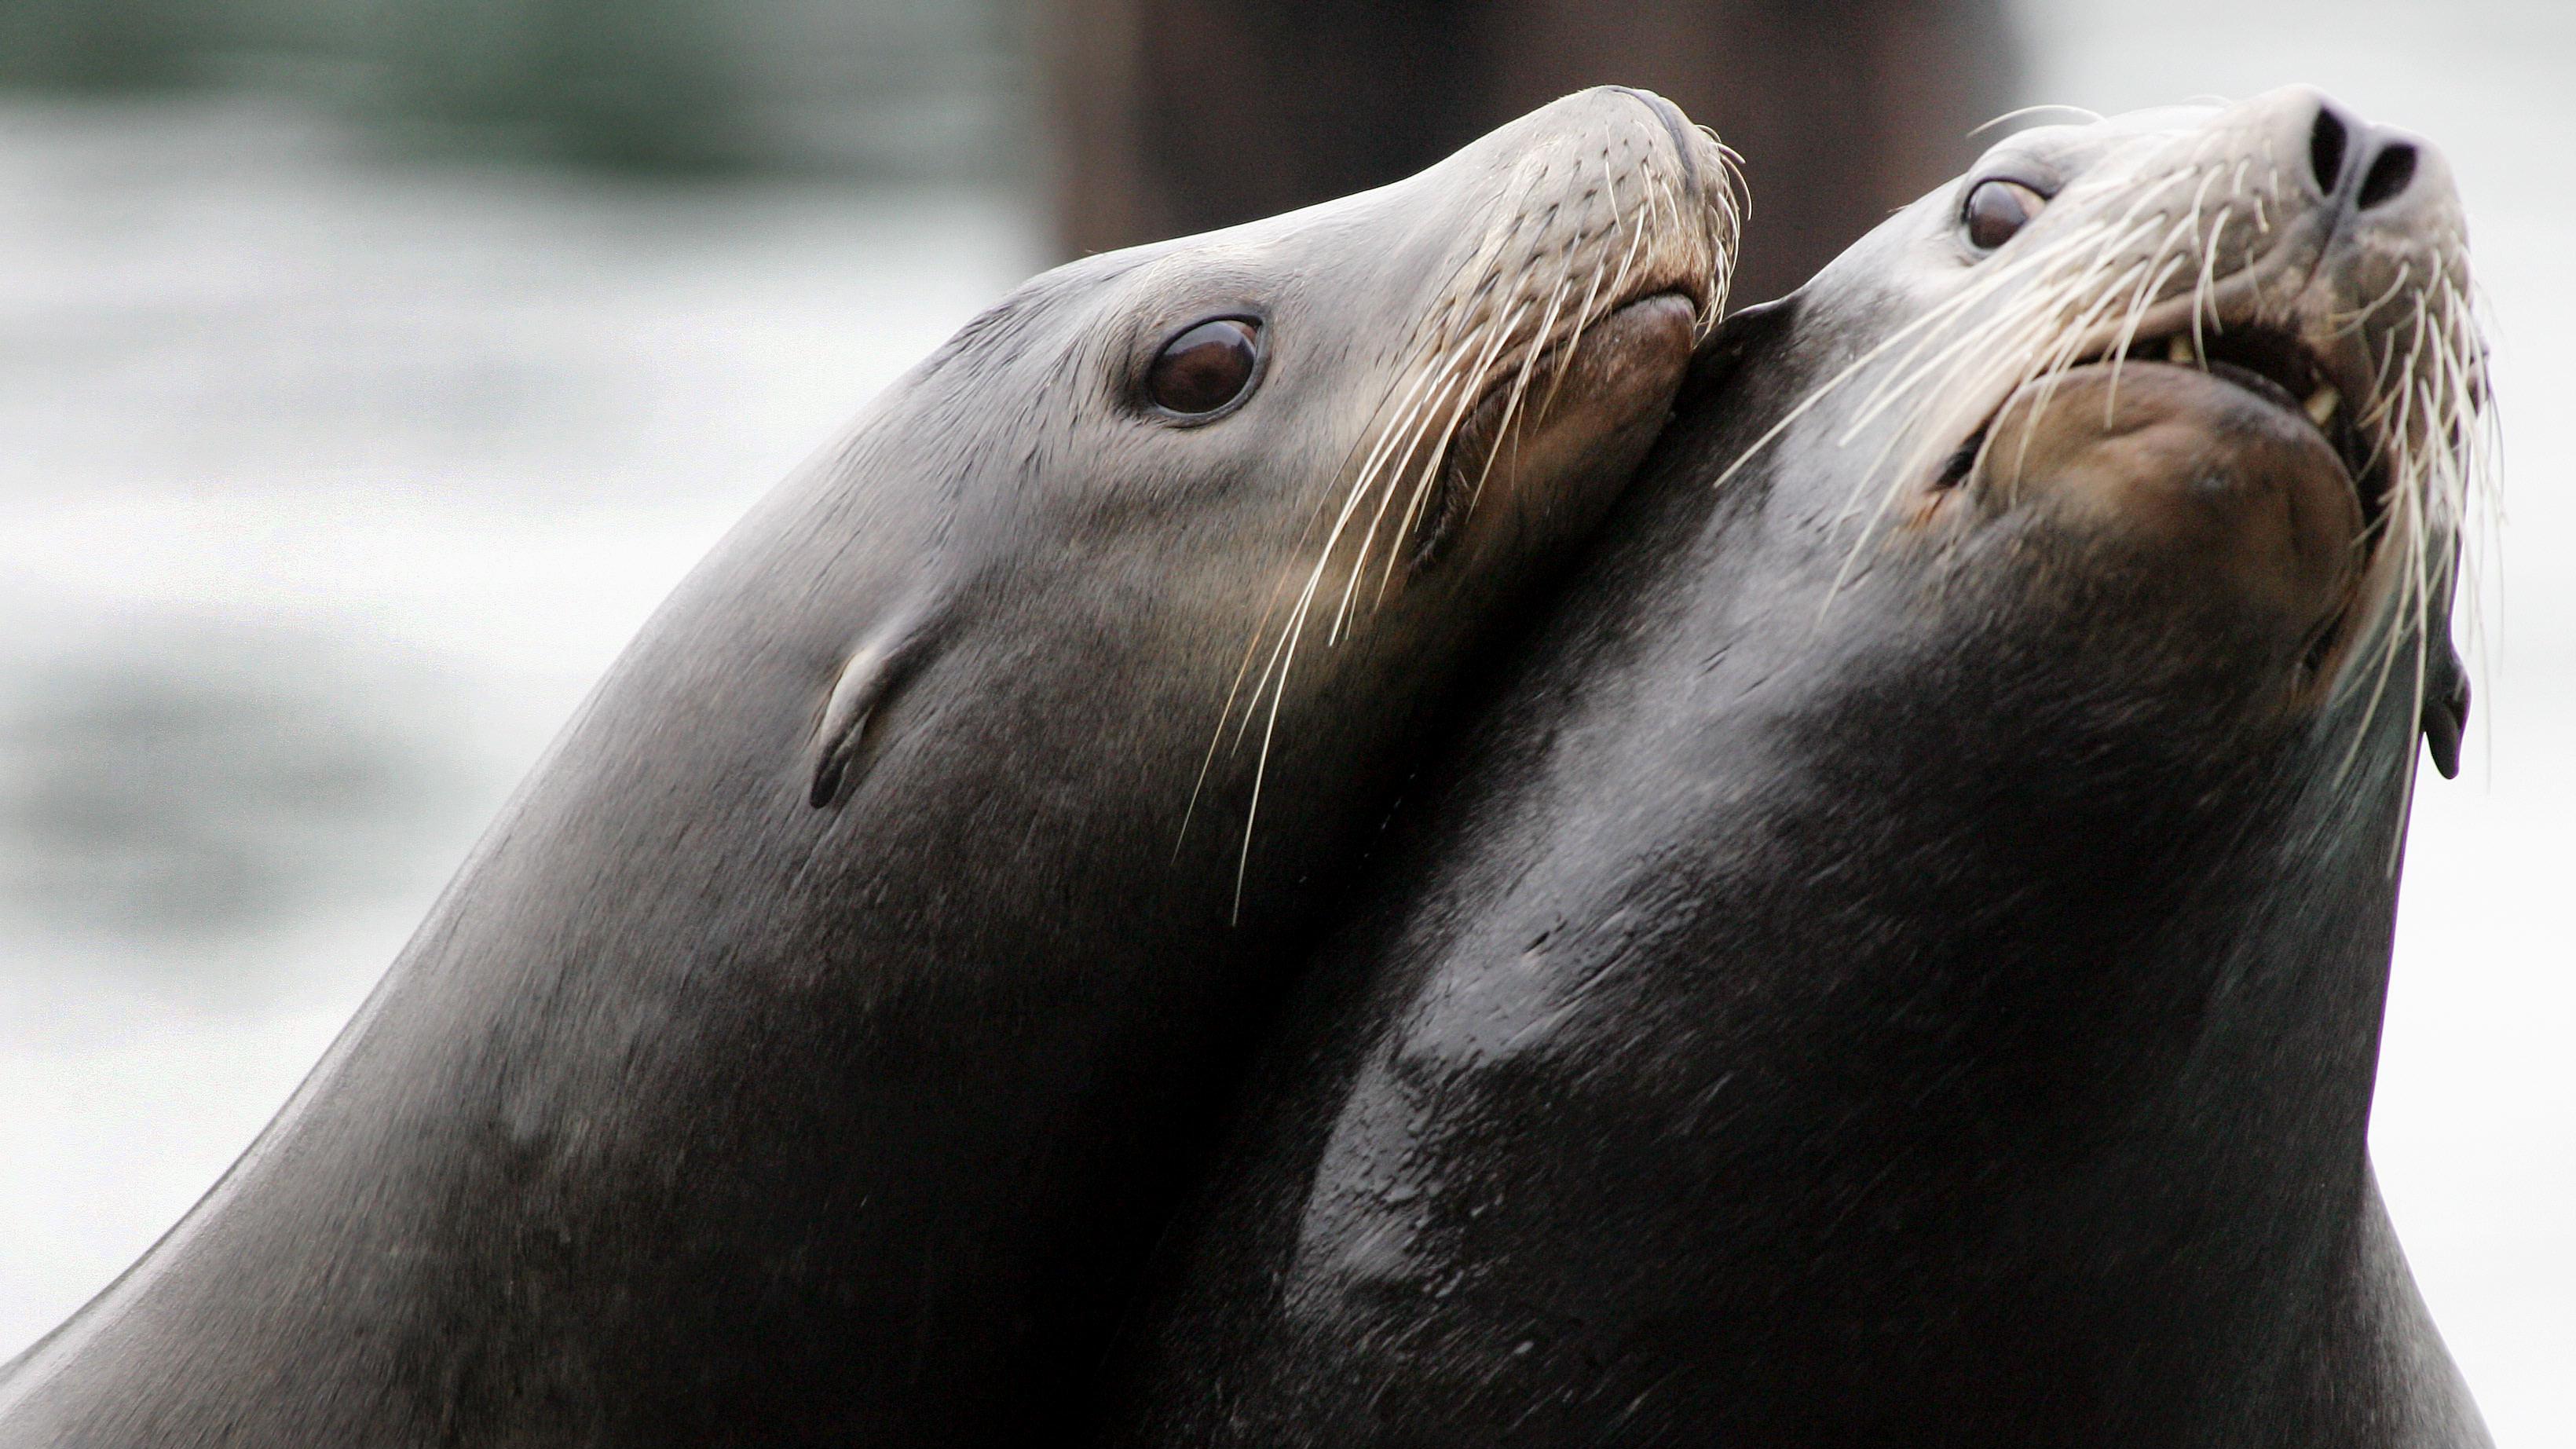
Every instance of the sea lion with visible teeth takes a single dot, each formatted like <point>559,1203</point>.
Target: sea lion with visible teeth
<point>1901,960</point>
<point>803,1056</point>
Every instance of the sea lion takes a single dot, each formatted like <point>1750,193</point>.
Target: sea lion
<point>799,1057</point>
<point>1901,960</point>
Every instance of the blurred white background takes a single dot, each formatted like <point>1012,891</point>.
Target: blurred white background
<point>332,480</point>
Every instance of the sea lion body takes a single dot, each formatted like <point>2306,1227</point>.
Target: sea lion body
<point>1902,961</point>
<point>801,1056</point>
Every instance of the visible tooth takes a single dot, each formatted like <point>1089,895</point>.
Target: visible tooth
<point>2179,349</point>
<point>2322,404</point>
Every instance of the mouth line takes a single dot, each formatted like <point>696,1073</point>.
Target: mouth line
<point>1553,351</point>
<point>2275,365</point>
<point>1555,354</point>
<point>2329,392</point>
<point>2284,372</point>
<point>1464,463</point>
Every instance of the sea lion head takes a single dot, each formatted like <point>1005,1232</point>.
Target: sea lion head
<point>812,1042</point>
<point>2205,381</point>
<point>1258,485</point>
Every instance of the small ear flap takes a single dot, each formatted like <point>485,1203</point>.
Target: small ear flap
<point>2446,709</point>
<point>883,661</point>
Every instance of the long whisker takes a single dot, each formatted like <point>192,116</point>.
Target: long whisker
<point>1451,393</point>
<point>1511,286</point>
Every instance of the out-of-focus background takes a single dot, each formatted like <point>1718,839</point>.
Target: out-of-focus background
<point>369,368</point>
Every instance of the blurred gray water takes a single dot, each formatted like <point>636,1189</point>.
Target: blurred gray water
<point>919,88</point>
<point>330,486</point>
<point>331,482</point>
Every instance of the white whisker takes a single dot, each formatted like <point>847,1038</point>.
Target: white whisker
<point>1553,237</point>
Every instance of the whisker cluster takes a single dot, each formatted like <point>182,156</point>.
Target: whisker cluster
<point>2189,218</point>
<point>2438,428</point>
<point>1558,253</point>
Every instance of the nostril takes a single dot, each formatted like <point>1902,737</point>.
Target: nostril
<point>2326,142</point>
<point>2389,173</point>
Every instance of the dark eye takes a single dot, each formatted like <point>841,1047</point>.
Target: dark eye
<point>1997,209</point>
<point>1206,367</point>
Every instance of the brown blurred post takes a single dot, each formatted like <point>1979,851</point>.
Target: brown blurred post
<point>1174,116</point>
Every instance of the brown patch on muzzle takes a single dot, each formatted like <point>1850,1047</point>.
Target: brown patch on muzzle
<point>2214,487</point>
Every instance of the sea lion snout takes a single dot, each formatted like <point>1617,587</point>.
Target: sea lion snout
<point>2213,484</point>
<point>2264,309</point>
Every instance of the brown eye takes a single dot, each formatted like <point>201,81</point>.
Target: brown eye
<point>1206,367</point>
<point>1997,209</point>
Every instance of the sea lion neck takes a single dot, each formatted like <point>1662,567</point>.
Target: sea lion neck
<point>2116,875</point>
<point>2030,973</point>
<point>2048,795</point>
